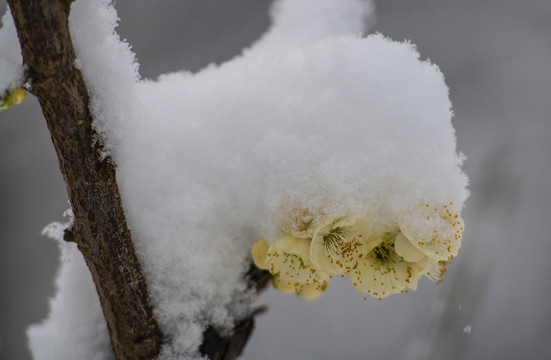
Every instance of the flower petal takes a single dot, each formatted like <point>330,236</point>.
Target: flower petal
<point>344,221</point>
<point>365,228</point>
<point>313,291</point>
<point>342,247</point>
<point>321,259</point>
<point>259,251</point>
<point>322,229</point>
<point>380,277</point>
<point>284,285</point>
<point>292,245</point>
<point>434,230</point>
<point>18,95</point>
<point>405,249</point>
<point>288,257</point>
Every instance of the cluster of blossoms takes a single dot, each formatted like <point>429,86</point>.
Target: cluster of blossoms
<point>378,259</point>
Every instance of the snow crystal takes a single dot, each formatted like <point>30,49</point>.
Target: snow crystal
<point>310,118</point>
<point>467,329</point>
<point>12,72</point>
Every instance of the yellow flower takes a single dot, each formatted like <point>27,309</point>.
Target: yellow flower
<point>18,95</point>
<point>289,257</point>
<point>435,231</point>
<point>339,245</point>
<point>386,260</point>
<point>384,271</point>
<point>14,97</point>
<point>288,260</point>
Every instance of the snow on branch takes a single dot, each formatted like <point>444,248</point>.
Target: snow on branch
<point>315,135</point>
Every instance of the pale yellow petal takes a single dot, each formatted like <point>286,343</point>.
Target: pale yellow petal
<point>343,246</point>
<point>405,249</point>
<point>288,257</point>
<point>384,272</point>
<point>372,242</point>
<point>321,259</point>
<point>434,230</point>
<point>259,251</point>
<point>313,291</point>
<point>381,280</point>
<point>322,229</point>
<point>284,285</point>
<point>18,95</point>
<point>365,228</point>
<point>292,245</point>
<point>343,221</point>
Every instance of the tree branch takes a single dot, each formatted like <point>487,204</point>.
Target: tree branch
<point>229,347</point>
<point>100,227</point>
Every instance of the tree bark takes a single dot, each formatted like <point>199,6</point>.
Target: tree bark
<point>100,227</point>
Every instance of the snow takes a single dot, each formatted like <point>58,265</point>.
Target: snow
<point>108,65</point>
<point>311,118</point>
<point>295,23</point>
<point>12,72</point>
<point>75,328</point>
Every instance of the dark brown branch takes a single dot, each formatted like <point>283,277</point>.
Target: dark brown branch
<point>218,347</point>
<point>230,347</point>
<point>100,228</point>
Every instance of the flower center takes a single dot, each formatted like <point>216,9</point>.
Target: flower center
<point>340,241</point>
<point>383,252</point>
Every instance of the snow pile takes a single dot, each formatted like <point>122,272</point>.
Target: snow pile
<point>109,67</point>
<point>76,328</point>
<point>302,122</point>
<point>12,73</point>
<point>296,23</point>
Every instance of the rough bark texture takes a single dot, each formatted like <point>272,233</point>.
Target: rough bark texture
<point>100,227</point>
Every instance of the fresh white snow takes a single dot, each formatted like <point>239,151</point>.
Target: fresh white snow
<point>313,117</point>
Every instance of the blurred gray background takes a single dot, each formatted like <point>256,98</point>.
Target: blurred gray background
<point>494,302</point>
